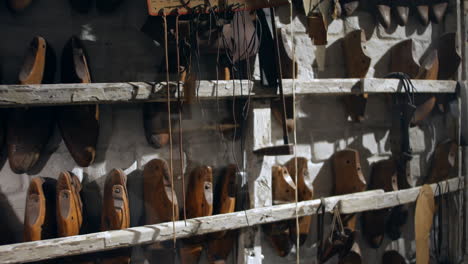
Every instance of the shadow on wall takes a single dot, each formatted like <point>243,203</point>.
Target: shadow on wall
<point>11,226</point>
<point>334,63</point>
<point>92,204</point>
<point>50,148</point>
<point>135,198</point>
<point>105,129</point>
<point>367,22</point>
<point>382,67</point>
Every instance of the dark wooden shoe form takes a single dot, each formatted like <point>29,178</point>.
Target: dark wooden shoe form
<point>29,130</point>
<point>79,125</point>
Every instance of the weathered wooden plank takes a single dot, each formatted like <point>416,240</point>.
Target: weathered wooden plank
<point>132,92</point>
<point>352,203</point>
<point>361,204</point>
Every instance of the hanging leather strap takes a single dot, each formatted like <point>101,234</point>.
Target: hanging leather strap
<point>403,115</point>
<point>320,228</point>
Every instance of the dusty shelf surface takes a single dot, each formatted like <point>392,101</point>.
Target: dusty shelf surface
<point>133,92</point>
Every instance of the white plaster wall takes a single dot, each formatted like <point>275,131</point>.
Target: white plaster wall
<point>119,52</point>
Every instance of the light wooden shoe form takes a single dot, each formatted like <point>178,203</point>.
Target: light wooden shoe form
<point>40,214</point>
<point>400,10</point>
<point>69,205</point>
<point>305,192</point>
<point>347,172</point>
<point>357,65</point>
<point>383,10</point>
<point>116,213</point>
<point>220,244</point>
<point>437,11</point>
<point>443,161</point>
<point>348,178</point>
<point>422,11</point>
<point>161,204</point>
<point>199,202</point>
<point>317,29</point>
<point>404,60</point>
<point>283,189</point>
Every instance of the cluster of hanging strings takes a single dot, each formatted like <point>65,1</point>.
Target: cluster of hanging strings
<point>238,72</point>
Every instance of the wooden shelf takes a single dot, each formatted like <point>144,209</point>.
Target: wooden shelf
<point>68,246</point>
<point>132,92</point>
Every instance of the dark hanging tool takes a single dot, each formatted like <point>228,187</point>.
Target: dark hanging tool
<point>267,66</point>
<point>286,148</point>
<point>403,113</point>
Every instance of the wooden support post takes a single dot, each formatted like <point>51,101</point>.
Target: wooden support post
<point>259,179</point>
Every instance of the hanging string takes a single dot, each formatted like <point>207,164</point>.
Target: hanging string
<point>166,50</point>
<point>460,203</point>
<point>296,196</point>
<point>179,105</point>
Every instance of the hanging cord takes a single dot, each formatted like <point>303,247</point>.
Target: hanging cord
<point>179,107</point>
<point>442,198</point>
<point>459,202</point>
<point>445,200</point>
<point>296,195</point>
<point>166,50</point>
<point>336,223</point>
<point>436,237</point>
<point>407,103</point>
<point>320,226</point>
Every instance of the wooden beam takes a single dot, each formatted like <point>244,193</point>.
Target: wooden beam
<point>68,246</point>
<point>134,92</point>
<point>258,178</point>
